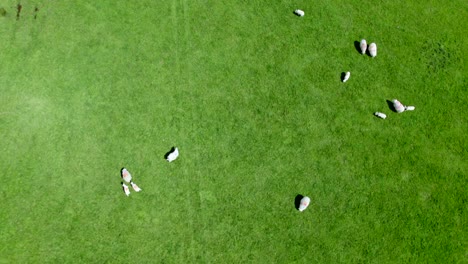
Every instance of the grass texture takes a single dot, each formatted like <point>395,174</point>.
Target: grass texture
<point>251,95</point>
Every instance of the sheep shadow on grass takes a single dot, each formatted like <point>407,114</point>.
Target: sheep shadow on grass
<point>169,152</point>
<point>357,46</point>
<point>390,105</point>
<point>342,76</point>
<point>297,201</point>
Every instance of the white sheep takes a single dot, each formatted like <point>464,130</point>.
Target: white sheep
<point>363,46</point>
<point>346,76</point>
<point>299,12</point>
<point>305,201</point>
<point>399,107</point>
<point>373,49</point>
<point>381,115</point>
<point>135,187</point>
<point>173,155</point>
<point>126,175</point>
<point>125,188</point>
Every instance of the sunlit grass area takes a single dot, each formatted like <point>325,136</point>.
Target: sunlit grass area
<point>252,97</point>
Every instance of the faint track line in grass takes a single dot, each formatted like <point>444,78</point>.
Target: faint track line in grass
<point>176,39</point>
<point>187,49</point>
<point>186,70</point>
<point>187,42</point>
<point>181,79</point>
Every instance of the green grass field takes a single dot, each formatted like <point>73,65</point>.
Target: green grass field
<point>251,95</point>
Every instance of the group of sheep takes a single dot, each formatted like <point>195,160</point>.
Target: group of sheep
<point>372,50</point>
<point>127,177</point>
<point>398,107</point>
<point>305,201</point>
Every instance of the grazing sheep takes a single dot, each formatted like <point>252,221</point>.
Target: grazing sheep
<point>125,188</point>
<point>173,154</point>
<point>299,12</point>
<point>363,46</point>
<point>126,175</point>
<point>381,115</point>
<point>135,187</point>
<point>373,49</point>
<point>346,76</point>
<point>305,201</point>
<point>399,107</point>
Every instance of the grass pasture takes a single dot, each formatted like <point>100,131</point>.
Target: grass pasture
<point>251,95</point>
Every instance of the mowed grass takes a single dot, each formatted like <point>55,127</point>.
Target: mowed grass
<point>251,95</point>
